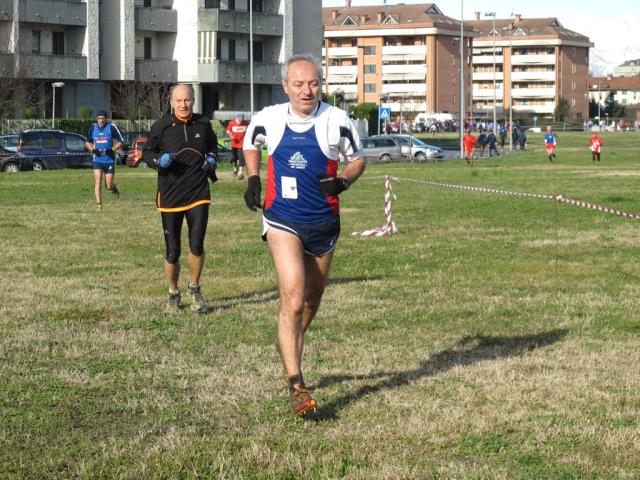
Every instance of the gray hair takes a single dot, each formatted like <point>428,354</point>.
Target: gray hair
<point>188,85</point>
<point>302,57</point>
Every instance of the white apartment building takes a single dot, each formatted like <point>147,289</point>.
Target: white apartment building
<point>630,68</point>
<point>535,63</point>
<point>91,44</point>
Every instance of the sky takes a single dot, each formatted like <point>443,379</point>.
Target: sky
<point>611,25</point>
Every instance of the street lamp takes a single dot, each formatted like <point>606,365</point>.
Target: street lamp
<point>493,32</point>
<point>461,127</point>
<point>251,54</point>
<point>54,85</point>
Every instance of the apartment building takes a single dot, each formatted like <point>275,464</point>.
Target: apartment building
<point>533,62</point>
<point>406,57</point>
<point>91,45</point>
<point>626,90</point>
<point>630,68</point>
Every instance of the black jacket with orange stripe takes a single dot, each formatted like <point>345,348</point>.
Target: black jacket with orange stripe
<point>183,185</point>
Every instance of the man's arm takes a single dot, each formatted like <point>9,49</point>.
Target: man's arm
<point>354,170</point>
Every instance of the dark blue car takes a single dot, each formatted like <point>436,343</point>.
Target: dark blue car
<point>51,149</point>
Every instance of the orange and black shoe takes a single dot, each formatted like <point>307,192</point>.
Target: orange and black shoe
<point>300,398</point>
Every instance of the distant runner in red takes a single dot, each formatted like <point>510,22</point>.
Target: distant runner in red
<point>469,146</point>
<point>236,130</point>
<point>595,144</point>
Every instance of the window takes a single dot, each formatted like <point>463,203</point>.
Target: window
<point>257,5</point>
<point>369,87</point>
<point>433,10</point>
<point>30,141</point>
<point>573,52</point>
<point>211,3</point>
<point>370,68</point>
<point>219,48</point>
<point>573,68</point>
<point>258,51</point>
<point>232,49</point>
<point>349,22</point>
<point>370,50</point>
<point>35,41</point>
<point>58,43</point>
<point>231,5</point>
<point>74,142</point>
<point>147,48</point>
<point>51,141</point>
<point>147,3</point>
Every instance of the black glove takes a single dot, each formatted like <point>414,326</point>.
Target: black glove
<point>252,195</point>
<point>109,151</point>
<point>332,186</point>
<point>99,152</point>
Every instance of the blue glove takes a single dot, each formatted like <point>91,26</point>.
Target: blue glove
<point>166,159</point>
<point>210,163</point>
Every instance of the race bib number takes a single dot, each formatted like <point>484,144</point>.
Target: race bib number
<point>289,188</point>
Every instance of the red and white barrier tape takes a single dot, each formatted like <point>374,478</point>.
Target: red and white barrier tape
<point>389,227</point>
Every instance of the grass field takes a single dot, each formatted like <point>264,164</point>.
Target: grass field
<point>492,337</point>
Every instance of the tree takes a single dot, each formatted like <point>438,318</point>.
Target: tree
<point>135,100</point>
<point>86,112</point>
<point>562,109</point>
<point>613,108</point>
<point>368,111</point>
<point>593,108</point>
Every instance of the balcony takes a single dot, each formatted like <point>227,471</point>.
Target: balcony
<point>487,93</point>
<point>529,76</point>
<point>57,12</point>
<point>156,70</point>
<point>342,74</point>
<point>341,52</point>
<point>533,93</point>
<point>406,107</point>
<point>400,88</point>
<point>58,67</point>
<point>404,53</point>
<point>533,60</point>
<point>346,89</point>
<point>224,71</point>
<point>487,75</point>
<point>404,69</point>
<point>234,21</point>
<point>546,108</point>
<point>155,19</point>
<point>487,59</point>
<point>6,10</point>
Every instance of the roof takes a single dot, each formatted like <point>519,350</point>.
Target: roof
<point>614,83</point>
<point>366,17</point>
<point>631,63</point>
<point>527,27</point>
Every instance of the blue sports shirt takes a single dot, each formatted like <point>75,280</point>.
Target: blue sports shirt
<point>102,139</point>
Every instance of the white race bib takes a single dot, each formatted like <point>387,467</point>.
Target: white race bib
<point>289,188</point>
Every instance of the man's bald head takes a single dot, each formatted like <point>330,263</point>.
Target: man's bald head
<point>182,100</point>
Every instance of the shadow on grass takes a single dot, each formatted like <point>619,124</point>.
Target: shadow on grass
<point>467,351</point>
<point>270,294</point>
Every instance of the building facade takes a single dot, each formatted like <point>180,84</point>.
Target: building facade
<point>630,68</point>
<point>406,57</point>
<point>533,63</point>
<point>626,90</point>
<point>93,45</point>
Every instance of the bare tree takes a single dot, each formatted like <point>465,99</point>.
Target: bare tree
<point>135,100</point>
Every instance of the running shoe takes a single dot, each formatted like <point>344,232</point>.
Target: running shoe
<point>173,302</point>
<point>197,302</point>
<point>301,401</point>
<point>98,206</point>
<point>115,192</point>
<point>240,177</point>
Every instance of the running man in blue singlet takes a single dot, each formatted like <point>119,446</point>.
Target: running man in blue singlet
<point>103,140</point>
<point>306,139</point>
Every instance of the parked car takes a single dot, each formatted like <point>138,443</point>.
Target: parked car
<point>418,151</point>
<point>127,143</point>
<point>382,148</point>
<point>134,154</point>
<point>9,142</point>
<point>51,149</point>
<point>13,162</point>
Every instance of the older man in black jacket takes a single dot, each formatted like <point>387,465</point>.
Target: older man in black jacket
<point>183,148</point>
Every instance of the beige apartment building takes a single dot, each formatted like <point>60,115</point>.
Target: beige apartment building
<point>537,62</point>
<point>91,45</point>
<point>406,57</point>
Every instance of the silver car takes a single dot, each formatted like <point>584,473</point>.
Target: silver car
<point>416,149</point>
<point>382,148</point>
